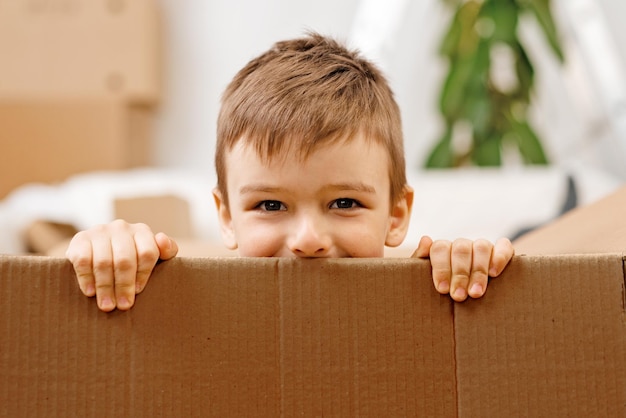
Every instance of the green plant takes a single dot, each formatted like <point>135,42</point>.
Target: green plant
<point>471,100</point>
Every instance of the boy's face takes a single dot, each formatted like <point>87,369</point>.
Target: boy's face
<point>333,204</point>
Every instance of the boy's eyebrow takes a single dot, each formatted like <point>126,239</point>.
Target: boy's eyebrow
<point>252,188</point>
<point>356,187</point>
<point>350,186</point>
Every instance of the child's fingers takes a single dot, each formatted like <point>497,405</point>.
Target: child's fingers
<point>440,264</point>
<point>147,256</point>
<point>479,278</point>
<point>103,272</point>
<point>423,248</point>
<point>80,254</point>
<point>114,261</point>
<point>461,263</point>
<point>167,246</point>
<point>502,254</point>
<point>124,269</point>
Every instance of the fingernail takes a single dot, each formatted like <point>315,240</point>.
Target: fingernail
<point>90,290</point>
<point>123,302</point>
<point>476,290</point>
<point>106,304</point>
<point>459,293</point>
<point>443,287</point>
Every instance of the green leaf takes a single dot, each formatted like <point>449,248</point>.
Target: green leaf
<point>541,9</point>
<point>442,155</point>
<point>487,152</point>
<point>525,71</point>
<point>466,79</point>
<point>455,88</point>
<point>528,143</point>
<point>478,110</point>
<point>503,15</point>
<point>450,41</point>
<point>479,73</point>
<point>460,39</point>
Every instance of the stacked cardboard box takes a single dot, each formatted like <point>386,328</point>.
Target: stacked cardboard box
<point>79,81</point>
<point>595,228</point>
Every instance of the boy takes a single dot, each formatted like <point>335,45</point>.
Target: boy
<point>310,163</point>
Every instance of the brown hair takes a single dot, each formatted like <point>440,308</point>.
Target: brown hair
<point>314,91</point>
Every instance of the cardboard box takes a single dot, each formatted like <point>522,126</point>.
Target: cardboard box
<point>74,48</point>
<point>593,228</point>
<point>166,213</point>
<point>49,140</point>
<point>340,337</point>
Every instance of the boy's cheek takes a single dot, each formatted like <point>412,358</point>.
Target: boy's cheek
<point>362,243</point>
<point>258,243</point>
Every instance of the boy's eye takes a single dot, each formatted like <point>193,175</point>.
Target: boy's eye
<point>271,205</point>
<point>344,203</point>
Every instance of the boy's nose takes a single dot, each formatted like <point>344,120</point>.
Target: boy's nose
<point>309,239</point>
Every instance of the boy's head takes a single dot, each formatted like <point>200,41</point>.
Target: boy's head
<point>309,155</point>
<point>306,93</point>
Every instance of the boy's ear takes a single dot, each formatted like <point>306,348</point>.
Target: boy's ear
<point>226,221</point>
<point>399,218</point>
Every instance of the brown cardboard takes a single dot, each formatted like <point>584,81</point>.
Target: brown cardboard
<point>49,140</point>
<point>71,48</point>
<point>548,340</point>
<point>595,228</point>
<point>229,337</point>
<point>283,337</point>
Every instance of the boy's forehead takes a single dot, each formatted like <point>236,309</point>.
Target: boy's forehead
<point>294,150</point>
<point>351,163</point>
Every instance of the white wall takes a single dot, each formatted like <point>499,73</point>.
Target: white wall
<point>206,42</point>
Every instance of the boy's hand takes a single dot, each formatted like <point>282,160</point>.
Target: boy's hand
<point>114,261</point>
<point>463,267</point>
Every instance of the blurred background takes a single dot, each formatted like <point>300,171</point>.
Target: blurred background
<point>108,107</point>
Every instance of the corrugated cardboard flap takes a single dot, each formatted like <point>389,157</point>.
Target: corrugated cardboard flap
<point>280,337</point>
<point>229,337</point>
<point>548,340</point>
